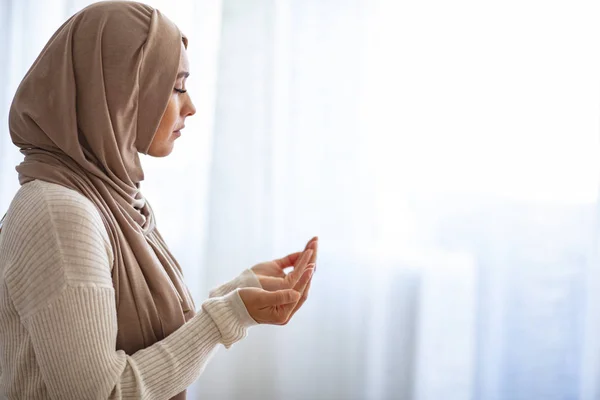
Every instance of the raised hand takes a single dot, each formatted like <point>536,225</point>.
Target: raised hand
<point>273,278</point>
<point>304,288</point>
<point>271,274</point>
<point>276,307</point>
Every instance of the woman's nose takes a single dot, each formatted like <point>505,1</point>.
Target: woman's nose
<point>190,109</point>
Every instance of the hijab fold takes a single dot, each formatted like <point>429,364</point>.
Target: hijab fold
<point>89,104</point>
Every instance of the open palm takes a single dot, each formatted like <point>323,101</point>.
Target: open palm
<point>271,273</point>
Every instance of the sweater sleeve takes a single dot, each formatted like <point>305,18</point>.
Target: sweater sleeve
<point>74,342</point>
<point>246,279</point>
<point>61,286</point>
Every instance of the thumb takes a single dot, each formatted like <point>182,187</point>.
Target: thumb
<point>281,297</point>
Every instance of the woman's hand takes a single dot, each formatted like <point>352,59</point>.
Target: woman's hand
<point>270,274</point>
<point>277,307</point>
<point>314,244</point>
<point>273,278</point>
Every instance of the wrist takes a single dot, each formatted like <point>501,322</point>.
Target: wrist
<point>230,315</point>
<point>250,279</point>
<point>246,279</point>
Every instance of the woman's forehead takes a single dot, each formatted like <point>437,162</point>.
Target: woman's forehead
<point>184,64</point>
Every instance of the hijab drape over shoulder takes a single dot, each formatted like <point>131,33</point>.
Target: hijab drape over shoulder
<point>91,101</point>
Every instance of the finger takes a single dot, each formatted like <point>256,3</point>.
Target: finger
<point>293,277</point>
<point>305,279</point>
<point>289,260</point>
<point>315,248</point>
<point>281,297</point>
<point>302,287</point>
<point>301,301</point>
<point>311,241</point>
<point>314,245</point>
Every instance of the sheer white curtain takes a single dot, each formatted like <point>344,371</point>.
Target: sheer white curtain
<point>446,153</point>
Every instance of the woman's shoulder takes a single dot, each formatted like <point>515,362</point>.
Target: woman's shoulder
<point>56,197</point>
<point>53,234</point>
<point>42,205</point>
<point>39,202</point>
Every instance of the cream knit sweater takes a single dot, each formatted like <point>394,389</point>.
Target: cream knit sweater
<point>58,321</point>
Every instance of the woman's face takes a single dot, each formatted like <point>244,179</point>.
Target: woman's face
<point>180,106</point>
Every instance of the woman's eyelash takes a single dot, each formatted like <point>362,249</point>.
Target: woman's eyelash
<point>179,90</point>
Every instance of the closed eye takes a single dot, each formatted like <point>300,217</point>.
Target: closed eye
<point>179,90</point>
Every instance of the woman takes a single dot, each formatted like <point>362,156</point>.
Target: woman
<point>92,302</point>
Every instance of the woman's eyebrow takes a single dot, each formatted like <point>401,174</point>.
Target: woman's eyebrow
<point>183,74</point>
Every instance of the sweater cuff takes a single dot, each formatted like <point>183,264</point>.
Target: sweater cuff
<point>230,315</point>
<point>246,279</point>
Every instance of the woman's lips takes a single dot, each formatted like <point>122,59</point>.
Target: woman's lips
<point>177,133</point>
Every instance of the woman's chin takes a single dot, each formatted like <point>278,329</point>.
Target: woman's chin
<point>163,151</point>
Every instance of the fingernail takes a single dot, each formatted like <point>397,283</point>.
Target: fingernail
<point>310,273</point>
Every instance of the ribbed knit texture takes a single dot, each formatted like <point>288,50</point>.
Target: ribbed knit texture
<point>245,279</point>
<point>58,321</point>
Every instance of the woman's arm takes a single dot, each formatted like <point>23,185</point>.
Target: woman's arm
<point>74,341</point>
<point>59,281</point>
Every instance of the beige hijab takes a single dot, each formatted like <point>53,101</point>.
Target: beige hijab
<point>91,101</point>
